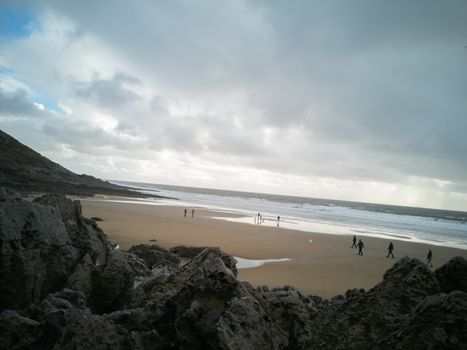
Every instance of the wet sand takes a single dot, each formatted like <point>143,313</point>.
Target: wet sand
<point>326,266</point>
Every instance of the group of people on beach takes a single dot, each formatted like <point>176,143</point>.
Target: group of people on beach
<point>192,212</point>
<point>259,220</point>
<point>360,247</point>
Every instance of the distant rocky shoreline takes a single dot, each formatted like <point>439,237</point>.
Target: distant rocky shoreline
<point>65,286</point>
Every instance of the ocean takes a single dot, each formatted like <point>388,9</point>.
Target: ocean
<point>438,227</point>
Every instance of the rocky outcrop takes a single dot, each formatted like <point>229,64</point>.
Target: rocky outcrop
<point>64,286</point>
<point>47,245</point>
<point>359,318</point>
<point>438,322</point>
<point>18,332</point>
<point>153,254</point>
<point>36,253</point>
<point>68,324</point>
<point>191,252</point>
<point>293,312</point>
<point>453,275</point>
<point>187,251</point>
<point>203,306</point>
<point>84,233</point>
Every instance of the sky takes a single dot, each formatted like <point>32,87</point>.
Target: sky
<point>361,100</point>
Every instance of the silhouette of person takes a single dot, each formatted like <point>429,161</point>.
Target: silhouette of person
<point>185,213</point>
<point>360,246</point>
<point>429,257</point>
<point>354,242</point>
<point>278,220</point>
<point>390,249</point>
<point>192,212</point>
<point>258,220</point>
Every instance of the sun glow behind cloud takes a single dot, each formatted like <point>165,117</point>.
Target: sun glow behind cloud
<point>316,100</point>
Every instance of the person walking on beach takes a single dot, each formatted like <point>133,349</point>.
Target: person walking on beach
<point>185,213</point>
<point>278,220</point>
<point>429,257</point>
<point>193,212</point>
<point>258,219</point>
<point>390,249</point>
<point>360,246</point>
<point>354,242</point>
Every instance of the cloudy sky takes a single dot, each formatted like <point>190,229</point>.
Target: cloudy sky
<point>360,100</point>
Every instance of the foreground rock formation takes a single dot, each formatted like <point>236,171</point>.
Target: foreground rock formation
<point>64,286</point>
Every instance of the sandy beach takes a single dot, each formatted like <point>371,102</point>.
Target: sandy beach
<point>321,264</point>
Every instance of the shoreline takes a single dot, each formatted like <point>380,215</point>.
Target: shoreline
<point>321,264</point>
<point>289,222</point>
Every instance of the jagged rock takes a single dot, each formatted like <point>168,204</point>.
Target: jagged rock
<point>206,271</point>
<point>8,194</point>
<point>187,251</point>
<point>84,233</point>
<point>149,340</point>
<point>292,312</point>
<point>17,332</point>
<point>362,318</point>
<point>57,308</point>
<point>61,321</point>
<point>47,245</point>
<point>80,279</point>
<point>191,252</point>
<point>96,218</point>
<point>245,325</point>
<point>160,275</point>
<point>453,275</point>
<point>138,266</point>
<point>36,253</point>
<point>112,288</point>
<point>316,299</point>
<point>48,319</point>
<point>406,283</point>
<point>75,298</point>
<point>153,254</point>
<point>68,324</point>
<point>439,322</point>
<point>102,284</point>
<point>93,333</point>
<point>203,306</point>
<point>69,210</point>
<point>131,319</point>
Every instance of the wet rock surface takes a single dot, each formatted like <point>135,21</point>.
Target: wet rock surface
<point>64,286</point>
